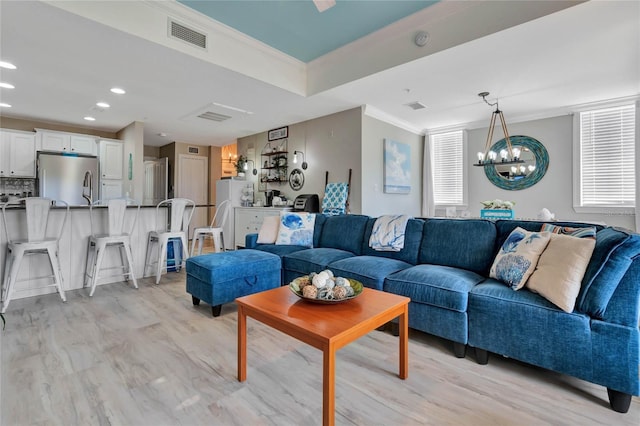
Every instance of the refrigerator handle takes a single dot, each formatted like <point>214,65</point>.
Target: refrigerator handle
<point>88,182</point>
<point>43,179</point>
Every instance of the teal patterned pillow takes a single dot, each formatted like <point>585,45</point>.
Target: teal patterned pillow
<point>296,229</point>
<point>518,257</point>
<point>586,232</point>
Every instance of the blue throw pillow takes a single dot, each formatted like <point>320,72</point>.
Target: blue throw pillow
<point>296,229</point>
<point>518,257</point>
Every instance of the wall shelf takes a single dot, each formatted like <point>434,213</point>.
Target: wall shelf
<point>274,162</point>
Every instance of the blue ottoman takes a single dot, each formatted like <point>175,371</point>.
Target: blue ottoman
<point>220,278</point>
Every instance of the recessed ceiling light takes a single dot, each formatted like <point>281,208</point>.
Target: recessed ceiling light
<point>7,86</point>
<point>103,105</point>
<point>118,91</point>
<point>162,135</point>
<point>2,104</point>
<point>89,118</point>
<point>7,65</point>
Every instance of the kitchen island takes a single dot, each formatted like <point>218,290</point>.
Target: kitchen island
<point>73,246</point>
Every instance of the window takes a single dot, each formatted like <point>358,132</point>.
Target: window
<point>447,168</point>
<point>606,166</point>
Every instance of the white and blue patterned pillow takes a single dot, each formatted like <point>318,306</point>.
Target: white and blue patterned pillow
<point>518,257</point>
<point>296,229</point>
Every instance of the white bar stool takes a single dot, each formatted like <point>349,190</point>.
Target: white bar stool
<point>216,232</point>
<point>37,242</point>
<point>117,235</point>
<point>180,212</point>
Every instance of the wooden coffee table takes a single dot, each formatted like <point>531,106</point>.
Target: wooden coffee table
<point>325,327</point>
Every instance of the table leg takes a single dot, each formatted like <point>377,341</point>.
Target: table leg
<point>328,386</point>
<point>404,343</point>
<point>242,345</point>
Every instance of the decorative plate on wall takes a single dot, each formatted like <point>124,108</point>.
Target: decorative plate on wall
<point>296,179</point>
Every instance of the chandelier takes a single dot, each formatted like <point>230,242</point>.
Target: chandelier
<point>508,155</point>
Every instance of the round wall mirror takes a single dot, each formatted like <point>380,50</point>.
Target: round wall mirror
<point>520,175</point>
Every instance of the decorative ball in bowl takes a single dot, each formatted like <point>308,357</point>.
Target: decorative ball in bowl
<point>324,287</point>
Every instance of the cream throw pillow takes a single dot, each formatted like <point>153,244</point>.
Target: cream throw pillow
<point>518,257</point>
<point>560,269</point>
<point>269,230</point>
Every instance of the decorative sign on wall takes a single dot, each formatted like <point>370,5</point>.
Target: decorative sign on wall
<point>280,133</point>
<point>397,167</point>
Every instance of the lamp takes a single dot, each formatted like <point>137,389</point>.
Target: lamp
<point>246,166</point>
<point>295,159</point>
<point>507,156</point>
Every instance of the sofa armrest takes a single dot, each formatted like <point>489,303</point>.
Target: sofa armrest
<point>250,241</point>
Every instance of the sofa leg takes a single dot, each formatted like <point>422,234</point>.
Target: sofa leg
<point>195,301</point>
<point>395,329</point>
<point>482,356</point>
<point>459,349</point>
<point>215,310</point>
<point>619,401</point>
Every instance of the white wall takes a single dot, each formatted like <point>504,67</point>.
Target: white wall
<point>374,201</point>
<point>554,191</point>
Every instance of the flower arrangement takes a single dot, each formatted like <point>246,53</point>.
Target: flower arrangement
<point>498,204</point>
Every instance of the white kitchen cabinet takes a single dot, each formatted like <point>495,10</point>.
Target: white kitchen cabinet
<point>248,220</point>
<point>111,159</point>
<point>17,154</point>
<point>49,140</point>
<point>110,189</point>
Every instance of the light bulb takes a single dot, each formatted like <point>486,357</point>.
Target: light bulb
<point>522,169</point>
<point>531,167</point>
<point>246,166</point>
<point>514,170</point>
<point>516,152</point>
<point>492,155</point>
<point>480,157</point>
<point>503,154</point>
<point>295,158</point>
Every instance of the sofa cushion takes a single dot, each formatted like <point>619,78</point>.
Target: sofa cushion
<point>614,251</point>
<point>312,260</point>
<point>344,232</point>
<point>412,239</point>
<point>466,244</point>
<point>518,257</point>
<point>436,285</point>
<point>296,229</point>
<point>369,270</point>
<point>560,270</point>
<point>280,250</point>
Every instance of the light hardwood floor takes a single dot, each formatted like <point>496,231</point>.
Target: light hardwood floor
<point>149,357</point>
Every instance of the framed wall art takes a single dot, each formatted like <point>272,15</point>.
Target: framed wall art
<point>279,133</point>
<point>397,167</point>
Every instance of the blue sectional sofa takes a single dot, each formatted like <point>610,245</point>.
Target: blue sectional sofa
<point>444,268</point>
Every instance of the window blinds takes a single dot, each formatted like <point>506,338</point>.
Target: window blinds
<point>607,156</point>
<point>447,168</point>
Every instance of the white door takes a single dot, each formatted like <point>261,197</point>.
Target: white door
<point>111,161</point>
<point>193,175</point>
<point>155,181</point>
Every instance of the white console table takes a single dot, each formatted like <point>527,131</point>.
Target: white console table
<point>249,219</point>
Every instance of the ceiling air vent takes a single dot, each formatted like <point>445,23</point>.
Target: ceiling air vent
<point>214,116</point>
<point>416,105</point>
<point>181,32</point>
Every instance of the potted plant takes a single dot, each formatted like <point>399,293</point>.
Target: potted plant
<point>239,165</point>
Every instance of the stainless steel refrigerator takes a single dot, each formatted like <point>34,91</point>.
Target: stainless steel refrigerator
<point>68,177</point>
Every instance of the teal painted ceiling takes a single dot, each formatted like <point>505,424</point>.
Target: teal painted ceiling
<point>296,28</point>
